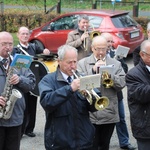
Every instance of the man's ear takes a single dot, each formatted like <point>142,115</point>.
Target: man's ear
<point>141,53</point>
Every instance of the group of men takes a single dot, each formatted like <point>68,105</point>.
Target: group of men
<point>72,123</point>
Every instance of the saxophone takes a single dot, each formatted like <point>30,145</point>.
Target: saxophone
<point>11,95</point>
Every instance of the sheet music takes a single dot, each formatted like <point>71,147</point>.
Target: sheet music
<point>122,51</point>
<point>108,68</point>
<point>89,82</point>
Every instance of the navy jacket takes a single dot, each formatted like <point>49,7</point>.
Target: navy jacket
<point>67,115</point>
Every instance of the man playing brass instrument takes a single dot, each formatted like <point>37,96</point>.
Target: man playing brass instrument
<point>121,126</point>
<point>104,120</point>
<point>67,112</point>
<point>79,38</point>
<point>23,80</point>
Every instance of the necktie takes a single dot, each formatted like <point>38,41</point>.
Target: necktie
<point>69,79</point>
<point>5,62</point>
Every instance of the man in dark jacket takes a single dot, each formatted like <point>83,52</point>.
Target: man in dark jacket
<point>24,47</point>
<point>138,87</point>
<point>67,112</point>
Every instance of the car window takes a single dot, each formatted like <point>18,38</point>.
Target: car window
<point>95,21</point>
<point>71,22</point>
<point>65,23</point>
<point>123,21</point>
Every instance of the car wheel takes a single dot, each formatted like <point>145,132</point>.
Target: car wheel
<point>38,43</point>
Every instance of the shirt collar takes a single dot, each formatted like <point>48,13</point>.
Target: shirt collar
<point>66,76</point>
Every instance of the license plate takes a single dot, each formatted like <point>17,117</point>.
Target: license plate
<point>134,34</point>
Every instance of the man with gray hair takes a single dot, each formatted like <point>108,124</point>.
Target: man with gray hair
<point>67,112</point>
<point>136,56</point>
<point>138,93</point>
<point>79,38</point>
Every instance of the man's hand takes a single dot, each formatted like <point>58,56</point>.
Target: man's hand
<point>2,101</point>
<point>14,79</point>
<point>75,85</point>
<point>46,51</point>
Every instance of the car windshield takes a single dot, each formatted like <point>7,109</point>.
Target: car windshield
<point>123,21</point>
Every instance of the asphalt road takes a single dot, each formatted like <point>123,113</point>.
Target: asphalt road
<point>37,143</point>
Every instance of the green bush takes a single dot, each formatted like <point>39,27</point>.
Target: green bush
<point>11,21</point>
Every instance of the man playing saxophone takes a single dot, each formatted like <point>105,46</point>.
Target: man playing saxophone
<point>104,120</point>
<point>22,80</point>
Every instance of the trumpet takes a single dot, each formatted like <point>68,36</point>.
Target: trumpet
<point>85,42</point>
<point>106,80</point>
<point>100,103</point>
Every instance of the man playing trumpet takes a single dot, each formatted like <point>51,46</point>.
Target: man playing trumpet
<point>67,112</point>
<point>79,38</point>
<point>104,120</point>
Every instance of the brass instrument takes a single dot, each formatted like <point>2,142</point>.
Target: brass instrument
<point>85,42</point>
<point>106,80</point>
<point>94,34</point>
<point>100,103</point>
<point>11,95</point>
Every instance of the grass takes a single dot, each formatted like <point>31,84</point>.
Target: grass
<point>15,38</point>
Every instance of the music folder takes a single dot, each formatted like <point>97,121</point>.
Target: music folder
<point>89,82</point>
<point>108,68</point>
<point>122,51</point>
<point>21,61</point>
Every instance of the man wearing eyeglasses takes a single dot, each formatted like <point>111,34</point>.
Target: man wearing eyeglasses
<point>104,120</point>
<point>22,80</point>
<point>121,126</point>
<point>138,92</point>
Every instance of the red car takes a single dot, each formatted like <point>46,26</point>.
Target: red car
<point>125,30</point>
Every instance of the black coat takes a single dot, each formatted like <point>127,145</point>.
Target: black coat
<point>138,88</point>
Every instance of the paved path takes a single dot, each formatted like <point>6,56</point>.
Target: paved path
<point>37,143</point>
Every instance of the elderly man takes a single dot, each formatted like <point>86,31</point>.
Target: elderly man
<point>23,80</point>
<point>138,92</point>
<point>105,120</point>
<point>24,47</point>
<point>79,38</point>
<point>68,126</point>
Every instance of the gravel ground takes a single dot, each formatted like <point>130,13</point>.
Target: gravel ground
<point>37,143</point>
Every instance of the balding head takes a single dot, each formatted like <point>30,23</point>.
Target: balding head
<point>109,39</point>
<point>99,46</point>
<point>23,35</point>
<point>6,44</point>
<point>23,28</point>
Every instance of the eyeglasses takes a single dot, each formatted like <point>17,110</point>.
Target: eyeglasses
<point>146,53</point>
<point>100,49</point>
<point>110,41</point>
<point>4,44</point>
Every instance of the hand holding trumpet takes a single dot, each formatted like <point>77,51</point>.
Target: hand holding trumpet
<point>75,84</point>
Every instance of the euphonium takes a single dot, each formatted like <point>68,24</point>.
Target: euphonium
<point>11,95</point>
<point>100,103</point>
<point>106,80</point>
